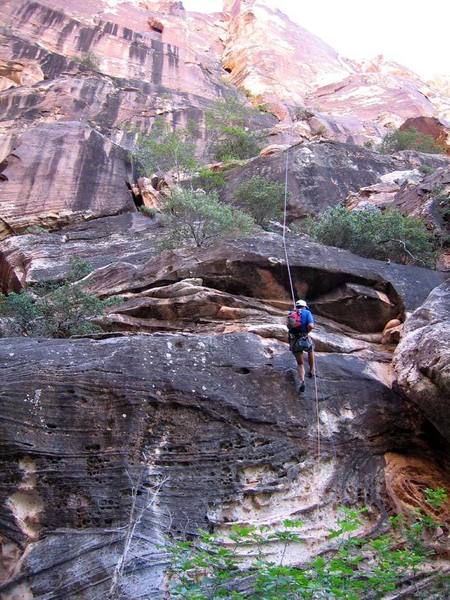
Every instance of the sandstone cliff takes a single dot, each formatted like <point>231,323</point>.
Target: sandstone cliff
<point>188,395</point>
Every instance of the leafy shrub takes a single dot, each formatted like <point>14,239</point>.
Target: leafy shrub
<point>56,310</point>
<point>443,201</point>
<point>166,150</point>
<point>230,137</point>
<point>212,567</point>
<point>35,230</point>
<point>409,139</point>
<point>262,198</point>
<point>195,218</point>
<point>148,211</point>
<point>375,234</point>
<point>90,60</point>
<point>426,169</point>
<point>209,180</point>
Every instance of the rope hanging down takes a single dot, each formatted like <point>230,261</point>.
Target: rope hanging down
<point>293,293</point>
<point>284,227</point>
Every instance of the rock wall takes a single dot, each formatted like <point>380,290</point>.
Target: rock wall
<point>186,407</point>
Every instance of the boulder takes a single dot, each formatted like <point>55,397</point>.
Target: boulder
<point>255,267</point>
<point>422,359</point>
<point>200,431</point>
<point>320,174</point>
<point>45,256</point>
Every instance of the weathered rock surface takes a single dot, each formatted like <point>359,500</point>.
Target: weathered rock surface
<point>225,438</point>
<point>321,174</point>
<point>422,359</point>
<point>62,172</point>
<point>39,257</point>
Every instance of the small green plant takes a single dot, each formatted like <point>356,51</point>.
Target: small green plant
<point>209,180</point>
<point>35,230</point>
<point>90,60</point>
<point>148,211</point>
<point>228,123</point>
<point>442,198</point>
<point>409,139</point>
<point>165,149</point>
<point>436,498</point>
<point>262,198</point>
<point>354,568</point>
<point>426,169</point>
<point>375,234</point>
<point>300,113</point>
<point>197,218</point>
<point>368,144</point>
<point>56,310</point>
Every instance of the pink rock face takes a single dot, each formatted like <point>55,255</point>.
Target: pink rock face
<point>276,60</point>
<point>61,172</point>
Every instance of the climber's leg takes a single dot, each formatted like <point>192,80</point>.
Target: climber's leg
<point>301,369</point>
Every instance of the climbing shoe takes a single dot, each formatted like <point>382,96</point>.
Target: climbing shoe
<point>302,387</point>
<point>311,374</point>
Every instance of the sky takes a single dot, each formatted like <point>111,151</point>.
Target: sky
<point>411,32</point>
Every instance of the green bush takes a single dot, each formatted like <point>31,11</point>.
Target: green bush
<point>262,198</point>
<point>375,234</point>
<point>166,150</point>
<point>195,218</point>
<point>230,137</point>
<point>209,180</point>
<point>148,211</point>
<point>213,567</point>
<point>409,139</point>
<point>90,60</point>
<point>56,310</point>
<point>426,169</point>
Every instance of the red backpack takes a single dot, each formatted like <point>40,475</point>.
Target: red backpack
<point>294,321</point>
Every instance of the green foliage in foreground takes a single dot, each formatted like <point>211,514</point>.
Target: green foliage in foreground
<point>262,198</point>
<point>212,568</point>
<point>409,139</point>
<point>375,234</point>
<point>197,218</point>
<point>56,310</point>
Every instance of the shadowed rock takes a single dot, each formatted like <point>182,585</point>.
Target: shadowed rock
<point>225,437</point>
<point>422,359</point>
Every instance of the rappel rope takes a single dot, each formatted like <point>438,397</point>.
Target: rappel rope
<point>284,228</point>
<point>293,294</point>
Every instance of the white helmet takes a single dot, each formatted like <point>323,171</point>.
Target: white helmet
<point>301,303</point>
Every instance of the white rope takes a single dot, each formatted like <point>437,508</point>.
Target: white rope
<point>284,227</point>
<point>293,295</point>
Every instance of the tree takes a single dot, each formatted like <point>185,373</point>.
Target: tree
<point>262,198</point>
<point>56,310</point>
<point>166,150</point>
<point>228,122</point>
<point>375,234</point>
<point>199,218</point>
<point>409,139</point>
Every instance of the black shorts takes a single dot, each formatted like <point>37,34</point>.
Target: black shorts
<point>299,344</point>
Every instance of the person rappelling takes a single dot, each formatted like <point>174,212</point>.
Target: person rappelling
<point>300,323</point>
